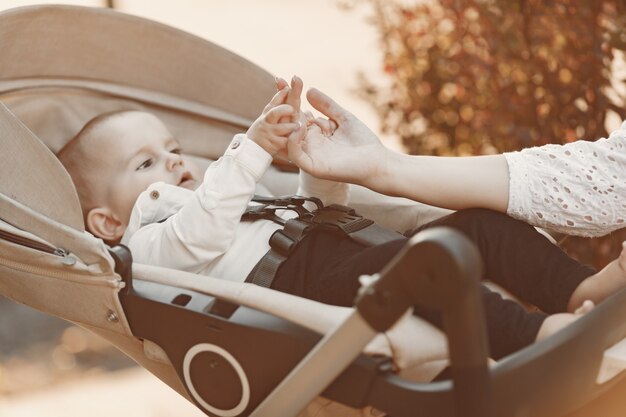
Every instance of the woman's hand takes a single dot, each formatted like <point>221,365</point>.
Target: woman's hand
<point>341,148</point>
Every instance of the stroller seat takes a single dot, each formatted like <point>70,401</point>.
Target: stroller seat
<point>79,282</point>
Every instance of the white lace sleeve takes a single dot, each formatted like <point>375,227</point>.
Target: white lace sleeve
<point>578,188</point>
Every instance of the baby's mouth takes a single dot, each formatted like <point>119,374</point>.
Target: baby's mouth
<point>187,181</point>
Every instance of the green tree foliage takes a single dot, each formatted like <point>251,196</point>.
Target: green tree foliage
<point>485,76</point>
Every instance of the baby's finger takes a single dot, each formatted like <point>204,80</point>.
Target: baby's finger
<point>293,97</point>
<point>278,143</point>
<point>297,153</point>
<point>274,114</point>
<point>282,154</point>
<point>281,83</point>
<point>284,129</point>
<point>299,133</point>
<point>279,98</point>
<point>333,125</point>
<point>325,125</point>
<point>314,129</point>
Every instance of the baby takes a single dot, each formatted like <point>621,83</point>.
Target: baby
<point>136,188</point>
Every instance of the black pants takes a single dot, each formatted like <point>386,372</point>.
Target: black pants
<point>326,267</point>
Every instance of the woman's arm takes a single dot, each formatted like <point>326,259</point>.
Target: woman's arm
<point>575,188</point>
<point>353,153</point>
<point>449,182</point>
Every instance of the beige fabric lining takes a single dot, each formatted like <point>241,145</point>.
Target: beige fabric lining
<point>74,293</point>
<point>84,245</point>
<point>122,91</point>
<point>56,114</point>
<point>104,45</point>
<point>27,169</point>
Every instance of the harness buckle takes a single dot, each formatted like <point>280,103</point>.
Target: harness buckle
<point>260,210</point>
<point>283,244</point>
<point>341,217</point>
<point>335,217</point>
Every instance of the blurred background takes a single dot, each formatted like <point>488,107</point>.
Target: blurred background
<point>442,77</point>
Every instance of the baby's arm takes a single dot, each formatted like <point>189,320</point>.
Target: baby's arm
<point>203,228</point>
<point>198,226</point>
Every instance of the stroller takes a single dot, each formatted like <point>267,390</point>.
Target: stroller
<point>269,353</point>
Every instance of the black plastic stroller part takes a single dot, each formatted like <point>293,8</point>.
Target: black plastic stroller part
<point>551,378</point>
<point>238,360</point>
<point>123,264</point>
<point>440,269</point>
<point>227,361</point>
<point>558,375</point>
<point>266,348</point>
<point>248,348</point>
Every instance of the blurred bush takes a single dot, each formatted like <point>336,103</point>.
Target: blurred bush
<point>485,76</point>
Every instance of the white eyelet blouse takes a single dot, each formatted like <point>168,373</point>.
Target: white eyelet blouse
<point>578,188</point>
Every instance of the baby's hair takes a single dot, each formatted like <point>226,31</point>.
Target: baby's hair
<point>88,128</point>
<point>75,157</point>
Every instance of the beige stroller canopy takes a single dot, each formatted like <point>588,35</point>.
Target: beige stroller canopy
<point>271,354</point>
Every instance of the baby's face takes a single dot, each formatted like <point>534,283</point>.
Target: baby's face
<point>135,150</point>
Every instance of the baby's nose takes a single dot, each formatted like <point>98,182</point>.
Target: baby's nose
<point>174,161</point>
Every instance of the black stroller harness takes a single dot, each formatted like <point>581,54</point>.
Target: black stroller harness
<point>335,217</point>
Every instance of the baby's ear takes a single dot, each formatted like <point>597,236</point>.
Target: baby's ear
<point>101,222</point>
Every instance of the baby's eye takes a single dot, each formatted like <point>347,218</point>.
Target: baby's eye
<point>177,151</point>
<point>145,164</point>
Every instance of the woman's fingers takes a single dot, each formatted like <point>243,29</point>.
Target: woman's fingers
<point>327,106</point>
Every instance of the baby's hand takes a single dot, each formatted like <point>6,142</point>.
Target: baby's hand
<point>293,99</point>
<point>326,126</point>
<point>319,126</point>
<point>272,128</point>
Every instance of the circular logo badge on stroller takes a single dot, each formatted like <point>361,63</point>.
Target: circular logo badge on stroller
<point>216,363</point>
